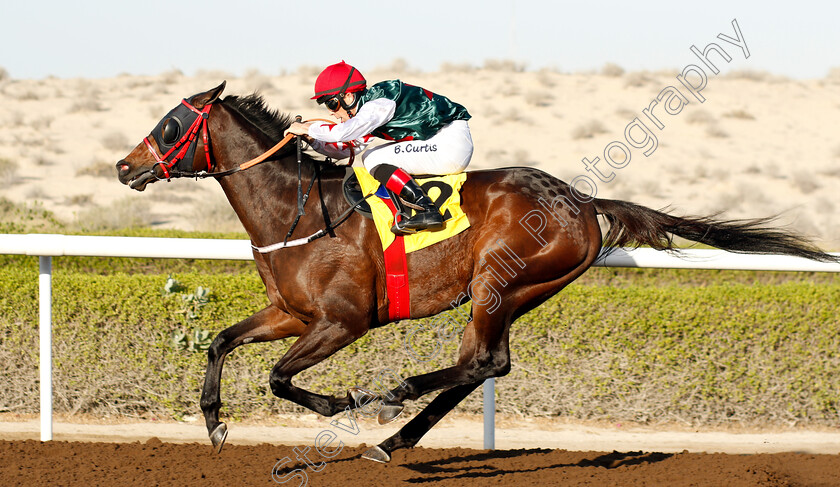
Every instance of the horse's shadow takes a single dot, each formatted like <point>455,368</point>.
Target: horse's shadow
<point>442,467</point>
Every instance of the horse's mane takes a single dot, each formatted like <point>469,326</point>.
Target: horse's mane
<point>253,108</point>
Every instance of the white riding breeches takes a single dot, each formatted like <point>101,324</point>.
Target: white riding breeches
<point>447,152</point>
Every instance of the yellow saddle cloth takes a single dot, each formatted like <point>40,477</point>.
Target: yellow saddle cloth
<point>447,188</point>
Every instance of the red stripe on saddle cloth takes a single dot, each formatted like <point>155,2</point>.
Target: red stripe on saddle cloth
<point>396,275</point>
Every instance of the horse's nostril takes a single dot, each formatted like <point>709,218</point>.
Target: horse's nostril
<point>122,167</point>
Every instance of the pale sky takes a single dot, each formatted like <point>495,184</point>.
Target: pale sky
<point>104,38</point>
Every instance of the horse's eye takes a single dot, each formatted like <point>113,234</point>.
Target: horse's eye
<point>171,131</point>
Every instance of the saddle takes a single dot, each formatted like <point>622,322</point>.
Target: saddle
<point>353,193</point>
<point>444,190</point>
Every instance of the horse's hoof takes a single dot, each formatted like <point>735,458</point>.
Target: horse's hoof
<point>377,455</point>
<point>359,395</point>
<point>389,412</point>
<point>218,437</point>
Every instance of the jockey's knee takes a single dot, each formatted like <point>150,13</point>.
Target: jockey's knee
<point>372,158</point>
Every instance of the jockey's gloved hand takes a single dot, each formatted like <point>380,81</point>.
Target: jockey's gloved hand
<point>299,128</point>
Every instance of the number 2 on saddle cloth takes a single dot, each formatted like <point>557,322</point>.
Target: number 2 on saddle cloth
<point>445,191</point>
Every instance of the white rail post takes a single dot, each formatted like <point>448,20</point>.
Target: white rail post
<point>45,332</point>
<point>490,414</point>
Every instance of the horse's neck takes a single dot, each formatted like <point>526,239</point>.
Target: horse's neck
<point>264,196</point>
<point>264,199</point>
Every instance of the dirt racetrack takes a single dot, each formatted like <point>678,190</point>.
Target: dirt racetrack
<point>153,463</point>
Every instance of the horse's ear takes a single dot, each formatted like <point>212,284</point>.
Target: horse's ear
<point>203,99</point>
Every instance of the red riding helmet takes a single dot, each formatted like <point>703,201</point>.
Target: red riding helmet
<point>339,78</point>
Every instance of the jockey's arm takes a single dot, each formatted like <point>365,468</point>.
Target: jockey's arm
<point>369,117</point>
<point>334,140</point>
<point>339,150</point>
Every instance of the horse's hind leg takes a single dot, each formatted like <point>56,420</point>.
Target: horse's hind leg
<point>484,354</point>
<point>269,324</point>
<point>533,276</point>
<point>411,433</point>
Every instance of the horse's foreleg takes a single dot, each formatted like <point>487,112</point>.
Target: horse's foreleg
<point>321,339</point>
<point>269,324</point>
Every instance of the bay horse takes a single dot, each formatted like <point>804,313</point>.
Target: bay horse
<point>331,291</point>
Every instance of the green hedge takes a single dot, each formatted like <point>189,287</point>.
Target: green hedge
<point>709,353</point>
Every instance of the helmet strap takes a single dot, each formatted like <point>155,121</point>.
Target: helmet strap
<point>343,91</point>
<point>349,107</point>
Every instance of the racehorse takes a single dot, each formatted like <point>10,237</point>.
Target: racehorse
<point>332,290</point>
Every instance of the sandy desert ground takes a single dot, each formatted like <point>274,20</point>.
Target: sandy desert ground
<point>758,145</point>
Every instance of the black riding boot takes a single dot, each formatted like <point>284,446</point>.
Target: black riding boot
<point>410,197</point>
<point>426,215</point>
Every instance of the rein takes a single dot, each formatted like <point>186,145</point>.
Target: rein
<point>302,199</point>
<point>245,165</point>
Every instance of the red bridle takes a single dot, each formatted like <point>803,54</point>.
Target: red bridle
<point>181,148</point>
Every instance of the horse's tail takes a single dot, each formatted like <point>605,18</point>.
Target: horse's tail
<point>632,225</point>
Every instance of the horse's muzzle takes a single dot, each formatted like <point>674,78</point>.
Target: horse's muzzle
<point>135,179</point>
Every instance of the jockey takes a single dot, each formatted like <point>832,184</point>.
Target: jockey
<point>427,134</point>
